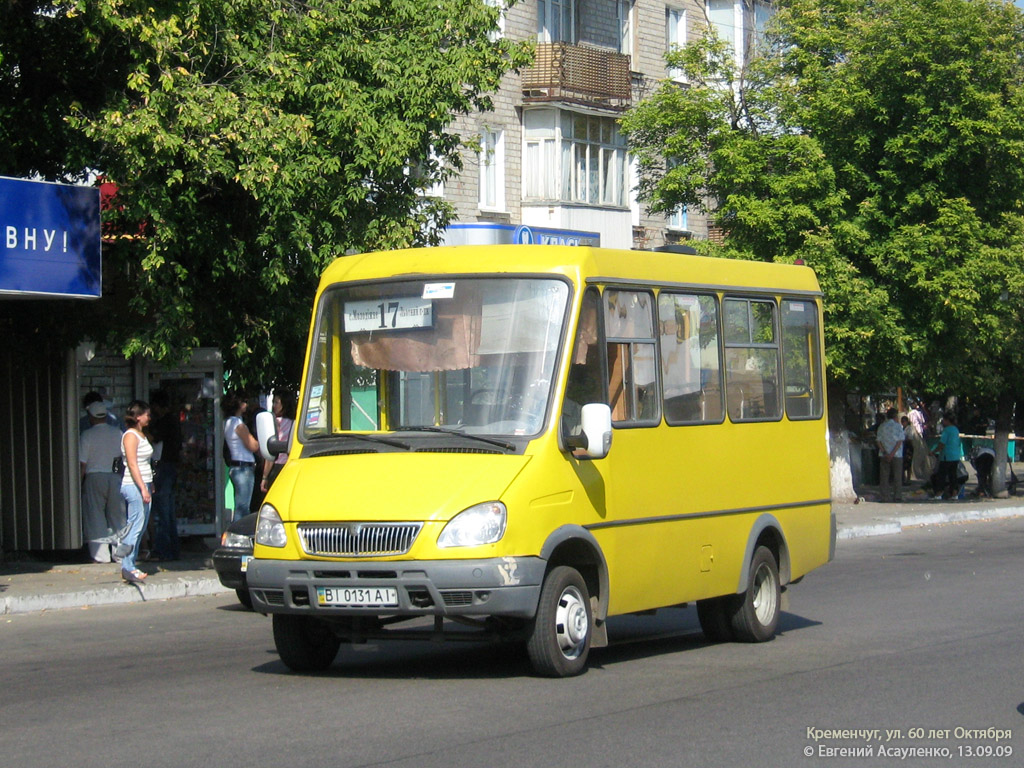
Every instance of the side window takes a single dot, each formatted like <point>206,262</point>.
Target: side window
<point>632,366</point>
<point>751,360</point>
<point>801,360</point>
<point>690,365</point>
<point>585,382</point>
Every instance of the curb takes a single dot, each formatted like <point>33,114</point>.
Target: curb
<point>113,595</point>
<point>906,522</point>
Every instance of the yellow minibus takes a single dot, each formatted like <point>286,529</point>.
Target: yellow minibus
<point>523,441</point>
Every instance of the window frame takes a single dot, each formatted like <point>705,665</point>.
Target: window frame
<point>720,352</point>
<point>546,13</point>
<point>632,404</point>
<point>749,300</point>
<point>561,167</point>
<point>816,388</point>
<point>625,11</point>
<point>673,30</point>
<point>492,172</point>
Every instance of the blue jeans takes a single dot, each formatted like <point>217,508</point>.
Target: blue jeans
<point>243,479</point>
<point>138,517</point>
<point>165,537</point>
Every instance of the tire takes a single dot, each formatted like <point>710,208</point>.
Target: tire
<point>714,615</point>
<point>304,644</point>
<point>560,634</point>
<point>244,598</point>
<point>755,618</point>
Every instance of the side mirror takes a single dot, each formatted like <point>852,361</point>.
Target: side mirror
<point>596,439</point>
<point>266,434</point>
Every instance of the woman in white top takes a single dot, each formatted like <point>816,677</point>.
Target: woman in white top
<point>241,460</point>
<point>136,487</point>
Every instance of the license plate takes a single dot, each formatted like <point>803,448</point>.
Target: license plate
<point>357,597</point>
<point>245,562</point>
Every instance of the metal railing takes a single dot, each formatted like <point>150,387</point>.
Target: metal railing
<point>565,72</point>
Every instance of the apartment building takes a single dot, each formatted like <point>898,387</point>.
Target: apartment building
<point>552,165</point>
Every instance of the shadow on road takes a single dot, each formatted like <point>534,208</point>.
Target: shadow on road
<point>631,638</point>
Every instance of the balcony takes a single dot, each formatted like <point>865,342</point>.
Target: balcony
<point>574,73</point>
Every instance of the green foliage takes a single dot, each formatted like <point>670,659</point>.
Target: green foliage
<point>882,144</point>
<point>252,142</point>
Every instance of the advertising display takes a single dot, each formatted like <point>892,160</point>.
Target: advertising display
<point>49,239</point>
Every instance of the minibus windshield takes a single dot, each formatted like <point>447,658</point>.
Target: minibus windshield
<point>473,355</point>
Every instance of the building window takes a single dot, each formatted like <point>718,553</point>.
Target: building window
<point>540,160</point>
<point>627,25</point>
<point>500,31</point>
<point>589,165</point>
<point>675,37</point>
<point>741,24</point>
<point>678,219</point>
<point>492,170</point>
<point>556,21</point>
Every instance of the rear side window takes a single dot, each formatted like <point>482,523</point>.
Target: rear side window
<point>801,360</point>
<point>632,365</point>
<point>691,371</point>
<point>751,360</point>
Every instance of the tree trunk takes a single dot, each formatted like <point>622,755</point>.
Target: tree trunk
<point>1004,423</point>
<point>839,447</point>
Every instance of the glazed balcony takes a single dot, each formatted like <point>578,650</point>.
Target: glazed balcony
<point>578,74</point>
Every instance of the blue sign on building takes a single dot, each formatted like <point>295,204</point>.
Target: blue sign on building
<point>49,239</point>
<point>487,233</point>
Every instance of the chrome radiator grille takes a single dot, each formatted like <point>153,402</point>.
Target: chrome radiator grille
<point>357,539</point>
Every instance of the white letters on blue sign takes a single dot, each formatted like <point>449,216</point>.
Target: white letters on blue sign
<point>30,240</point>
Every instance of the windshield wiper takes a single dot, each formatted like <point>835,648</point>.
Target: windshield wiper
<point>459,433</point>
<point>366,438</point>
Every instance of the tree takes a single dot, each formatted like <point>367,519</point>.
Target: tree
<point>251,143</point>
<point>880,143</point>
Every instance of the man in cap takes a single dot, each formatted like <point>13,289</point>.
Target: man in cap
<point>103,512</point>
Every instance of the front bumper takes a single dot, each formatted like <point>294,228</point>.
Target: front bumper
<point>508,586</point>
<point>228,564</point>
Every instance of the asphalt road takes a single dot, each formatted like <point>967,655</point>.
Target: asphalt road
<point>924,630</point>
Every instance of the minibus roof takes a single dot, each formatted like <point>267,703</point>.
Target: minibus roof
<point>581,264</point>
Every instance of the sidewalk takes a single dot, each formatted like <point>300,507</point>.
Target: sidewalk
<point>30,586</point>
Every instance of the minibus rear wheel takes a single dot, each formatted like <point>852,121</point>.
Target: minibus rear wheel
<point>559,640</point>
<point>756,616</point>
<point>305,644</point>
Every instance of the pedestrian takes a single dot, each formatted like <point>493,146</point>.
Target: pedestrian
<point>240,457</point>
<point>96,397</point>
<point>103,516</point>
<point>919,418</point>
<point>283,408</point>
<point>136,486</point>
<point>908,449</point>
<point>165,430</point>
<point>948,452</point>
<point>890,437</point>
<point>984,461</point>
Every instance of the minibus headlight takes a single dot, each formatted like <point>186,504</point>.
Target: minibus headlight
<point>270,530</point>
<point>480,524</point>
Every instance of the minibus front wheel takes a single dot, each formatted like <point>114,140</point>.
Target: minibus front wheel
<point>559,640</point>
<point>304,643</point>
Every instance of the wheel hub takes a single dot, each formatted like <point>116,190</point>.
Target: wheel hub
<point>571,624</point>
<point>764,595</point>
